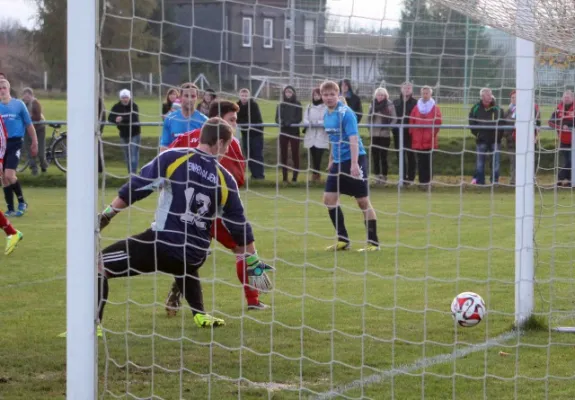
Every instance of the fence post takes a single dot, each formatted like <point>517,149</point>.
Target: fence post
<point>401,156</point>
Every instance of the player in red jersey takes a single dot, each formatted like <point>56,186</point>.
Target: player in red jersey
<point>13,236</point>
<point>235,163</point>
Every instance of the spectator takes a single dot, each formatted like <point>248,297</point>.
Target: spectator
<point>352,100</point>
<point>35,110</point>
<point>487,113</point>
<point>315,139</point>
<point>289,112</point>
<point>250,116</point>
<point>510,135</point>
<point>12,91</point>
<point>563,120</point>
<point>172,99</point>
<point>424,140</point>
<point>125,114</point>
<point>403,107</point>
<point>381,112</point>
<point>102,119</point>
<point>209,97</point>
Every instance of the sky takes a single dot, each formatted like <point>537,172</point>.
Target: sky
<point>368,13</point>
<point>21,10</point>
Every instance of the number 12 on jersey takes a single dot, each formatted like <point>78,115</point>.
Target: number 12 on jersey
<point>197,206</point>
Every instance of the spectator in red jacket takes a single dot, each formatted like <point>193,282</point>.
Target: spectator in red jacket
<point>563,120</point>
<point>424,140</point>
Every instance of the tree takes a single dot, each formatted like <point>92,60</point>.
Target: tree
<point>127,41</point>
<point>17,58</point>
<point>437,51</point>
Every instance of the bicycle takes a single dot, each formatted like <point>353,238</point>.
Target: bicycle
<point>56,150</point>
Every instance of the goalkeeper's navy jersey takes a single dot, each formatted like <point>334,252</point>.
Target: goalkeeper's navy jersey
<point>195,189</point>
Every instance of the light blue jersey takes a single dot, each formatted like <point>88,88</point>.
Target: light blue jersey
<point>340,124</point>
<point>175,124</point>
<point>16,118</point>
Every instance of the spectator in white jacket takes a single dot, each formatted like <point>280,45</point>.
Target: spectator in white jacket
<point>315,139</point>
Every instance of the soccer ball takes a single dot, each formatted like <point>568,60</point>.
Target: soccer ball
<point>468,309</point>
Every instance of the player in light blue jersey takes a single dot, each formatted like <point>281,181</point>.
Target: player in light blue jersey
<point>186,119</point>
<point>348,168</point>
<point>18,123</point>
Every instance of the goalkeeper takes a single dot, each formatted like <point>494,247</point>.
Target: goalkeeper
<point>194,188</point>
<point>234,162</point>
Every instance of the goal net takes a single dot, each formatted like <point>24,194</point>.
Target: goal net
<point>351,324</point>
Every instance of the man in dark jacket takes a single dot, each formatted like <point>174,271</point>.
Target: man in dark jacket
<point>250,117</point>
<point>353,101</point>
<point>487,113</point>
<point>125,114</point>
<point>403,108</point>
<point>288,113</point>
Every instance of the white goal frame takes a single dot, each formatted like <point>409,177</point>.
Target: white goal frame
<point>81,253</point>
<point>81,196</point>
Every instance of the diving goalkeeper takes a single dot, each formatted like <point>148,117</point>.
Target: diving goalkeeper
<point>194,188</point>
<point>234,162</point>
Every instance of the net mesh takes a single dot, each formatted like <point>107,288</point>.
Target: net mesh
<point>548,22</point>
<point>344,325</point>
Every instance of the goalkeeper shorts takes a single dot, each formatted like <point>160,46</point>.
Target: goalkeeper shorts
<point>222,235</point>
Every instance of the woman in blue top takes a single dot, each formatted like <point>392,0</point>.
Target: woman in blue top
<point>18,123</point>
<point>348,170</point>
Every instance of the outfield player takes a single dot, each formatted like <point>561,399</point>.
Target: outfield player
<point>185,119</point>
<point>194,188</point>
<point>13,236</point>
<point>348,171</point>
<point>234,162</point>
<point>18,123</point>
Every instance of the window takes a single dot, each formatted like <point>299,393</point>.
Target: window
<point>309,34</point>
<point>268,33</point>
<point>288,33</point>
<point>246,32</point>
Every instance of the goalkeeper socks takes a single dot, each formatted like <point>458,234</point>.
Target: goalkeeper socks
<point>336,215</point>
<point>102,295</point>
<point>9,197</point>
<point>372,232</point>
<point>6,226</point>
<point>18,191</point>
<point>252,295</point>
<point>191,288</point>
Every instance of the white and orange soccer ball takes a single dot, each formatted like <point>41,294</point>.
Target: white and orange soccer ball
<point>468,309</point>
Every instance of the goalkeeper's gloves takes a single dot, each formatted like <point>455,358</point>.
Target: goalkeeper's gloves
<point>106,216</point>
<point>257,277</point>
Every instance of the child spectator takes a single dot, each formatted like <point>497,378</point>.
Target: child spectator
<point>315,139</point>
<point>35,110</point>
<point>172,97</point>
<point>289,112</point>
<point>381,112</point>
<point>125,114</point>
<point>209,97</point>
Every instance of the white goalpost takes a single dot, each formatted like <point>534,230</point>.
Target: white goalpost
<point>343,325</point>
<point>81,199</point>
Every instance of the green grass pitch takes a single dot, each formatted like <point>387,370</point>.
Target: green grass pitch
<point>336,318</point>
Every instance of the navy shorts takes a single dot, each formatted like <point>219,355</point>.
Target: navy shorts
<point>340,180</point>
<point>13,150</point>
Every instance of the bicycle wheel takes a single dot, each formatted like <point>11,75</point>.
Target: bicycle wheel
<point>59,152</point>
<point>24,163</point>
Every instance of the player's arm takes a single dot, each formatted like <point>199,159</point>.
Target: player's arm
<point>30,130</point>
<point>233,217</point>
<point>350,128</point>
<point>166,138</point>
<point>137,188</point>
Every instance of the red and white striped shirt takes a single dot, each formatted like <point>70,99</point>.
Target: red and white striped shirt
<point>3,139</point>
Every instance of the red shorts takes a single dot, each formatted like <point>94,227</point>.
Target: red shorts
<point>222,235</point>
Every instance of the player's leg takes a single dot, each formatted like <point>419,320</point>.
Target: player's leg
<point>13,237</point>
<point>359,188</point>
<point>223,236</point>
<point>331,201</point>
<point>10,180</point>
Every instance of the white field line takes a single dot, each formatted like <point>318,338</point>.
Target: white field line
<point>417,365</point>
